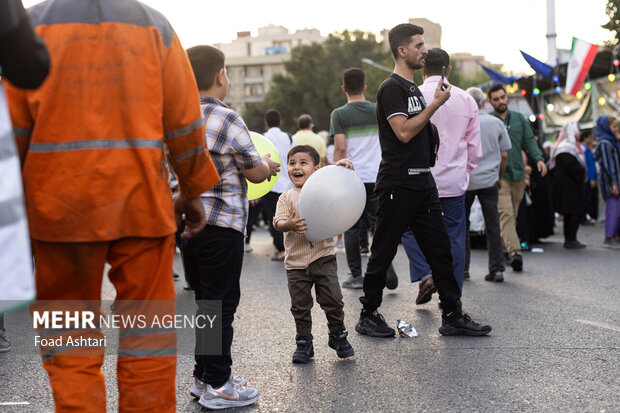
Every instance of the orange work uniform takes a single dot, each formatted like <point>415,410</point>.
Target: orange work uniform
<point>92,140</point>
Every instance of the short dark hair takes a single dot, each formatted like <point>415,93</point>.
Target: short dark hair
<point>585,134</point>
<point>435,59</point>
<point>353,80</point>
<point>206,62</point>
<point>272,118</point>
<point>401,34</point>
<point>316,158</point>
<point>494,88</point>
<point>304,121</point>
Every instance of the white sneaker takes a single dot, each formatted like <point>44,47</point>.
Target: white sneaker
<point>238,381</point>
<point>198,389</point>
<point>229,395</point>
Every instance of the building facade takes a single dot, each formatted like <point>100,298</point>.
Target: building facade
<point>252,62</point>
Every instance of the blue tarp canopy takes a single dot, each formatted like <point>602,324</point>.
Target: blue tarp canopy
<point>498,77</point>
<point>538,66</point>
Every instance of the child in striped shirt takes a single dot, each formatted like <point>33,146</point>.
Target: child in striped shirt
<point>309,264</point>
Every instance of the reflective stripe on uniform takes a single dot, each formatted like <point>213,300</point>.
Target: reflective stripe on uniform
<point>11,211</point>
<point>22,132</point>
<point>184,130</point>
<point>54,351</point>
<point>148,352</point>
<point>50,332</point>
<point>90,12</point>
<point>191,152</point>
<point>146,331</point>
<point>95,144</point>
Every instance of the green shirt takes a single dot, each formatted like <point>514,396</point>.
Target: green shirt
<point>521,137</point>
<point>357,121</point>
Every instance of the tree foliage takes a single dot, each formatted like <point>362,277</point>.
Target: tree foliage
<point>613,25</point>
<point>313,79</point>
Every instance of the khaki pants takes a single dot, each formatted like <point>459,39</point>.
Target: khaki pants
<point>323,275</point>
<point>508,201</point>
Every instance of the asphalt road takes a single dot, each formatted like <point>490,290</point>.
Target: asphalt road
<point>555,344</point>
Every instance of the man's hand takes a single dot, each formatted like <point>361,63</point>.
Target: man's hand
<point>542,168</point>
<point>274,167</point>
<point>528,173</point>
<point>346,163</point>
<point>441,96</point>
<point>195,219</point>
<point>614,191</point>
<point>593,184</point>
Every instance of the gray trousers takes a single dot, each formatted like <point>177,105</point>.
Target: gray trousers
<point>488,202</point>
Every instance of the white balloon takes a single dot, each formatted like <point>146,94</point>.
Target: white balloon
<point>331,201</point>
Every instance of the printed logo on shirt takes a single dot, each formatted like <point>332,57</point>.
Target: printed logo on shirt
<point>413,105</point>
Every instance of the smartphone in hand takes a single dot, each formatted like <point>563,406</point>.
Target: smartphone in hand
<point>443,74</point>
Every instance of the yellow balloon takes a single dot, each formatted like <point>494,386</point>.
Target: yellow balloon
<point>263,146</point>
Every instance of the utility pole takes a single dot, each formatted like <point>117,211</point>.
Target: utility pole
<point>552,51</point>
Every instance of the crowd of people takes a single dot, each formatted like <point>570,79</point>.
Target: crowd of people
<point>99,132</point>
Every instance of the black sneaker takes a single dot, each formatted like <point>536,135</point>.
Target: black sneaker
<point>391,279</point>
<point>496,276</point>
<point>466,275</point>
<point>373,324</point>
<point>338,341</point>
<point>304,351</point>
<point>364,251</point>
<point>463,326</point>
<point>516,262</point>
<point>574,245</point>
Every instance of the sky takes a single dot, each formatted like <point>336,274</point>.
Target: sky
<point>495,29</point>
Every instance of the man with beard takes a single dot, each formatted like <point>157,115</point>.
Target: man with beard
<point>406,192</point>
<point>512,184</point>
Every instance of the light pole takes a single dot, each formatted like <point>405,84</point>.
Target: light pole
<point>377,65</point>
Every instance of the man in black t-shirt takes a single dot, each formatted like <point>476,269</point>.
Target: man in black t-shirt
<point>406,191</point>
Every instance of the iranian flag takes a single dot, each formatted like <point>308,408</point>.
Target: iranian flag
<point>582,55</point>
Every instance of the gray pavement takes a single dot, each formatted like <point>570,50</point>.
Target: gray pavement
<point>555,344</point>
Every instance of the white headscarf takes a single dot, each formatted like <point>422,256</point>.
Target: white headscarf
<point>567,143</point>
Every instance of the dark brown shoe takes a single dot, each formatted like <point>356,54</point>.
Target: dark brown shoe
<point>427,288</point>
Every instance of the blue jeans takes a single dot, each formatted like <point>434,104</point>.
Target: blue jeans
<point>454,217</point>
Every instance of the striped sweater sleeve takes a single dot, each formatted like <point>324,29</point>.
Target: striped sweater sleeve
<point>609,161</point>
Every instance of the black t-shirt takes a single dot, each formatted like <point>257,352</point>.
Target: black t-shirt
<point>401,162</point>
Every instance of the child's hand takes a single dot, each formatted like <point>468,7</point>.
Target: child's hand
<point>297,224</point>
<point>346,163</point>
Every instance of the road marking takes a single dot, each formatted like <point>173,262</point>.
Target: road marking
<point>601,325</point>
<point>14,403</point>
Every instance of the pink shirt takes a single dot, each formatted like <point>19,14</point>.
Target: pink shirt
<point>459,134</point>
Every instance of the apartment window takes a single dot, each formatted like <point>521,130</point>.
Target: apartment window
<point>253,71</point>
